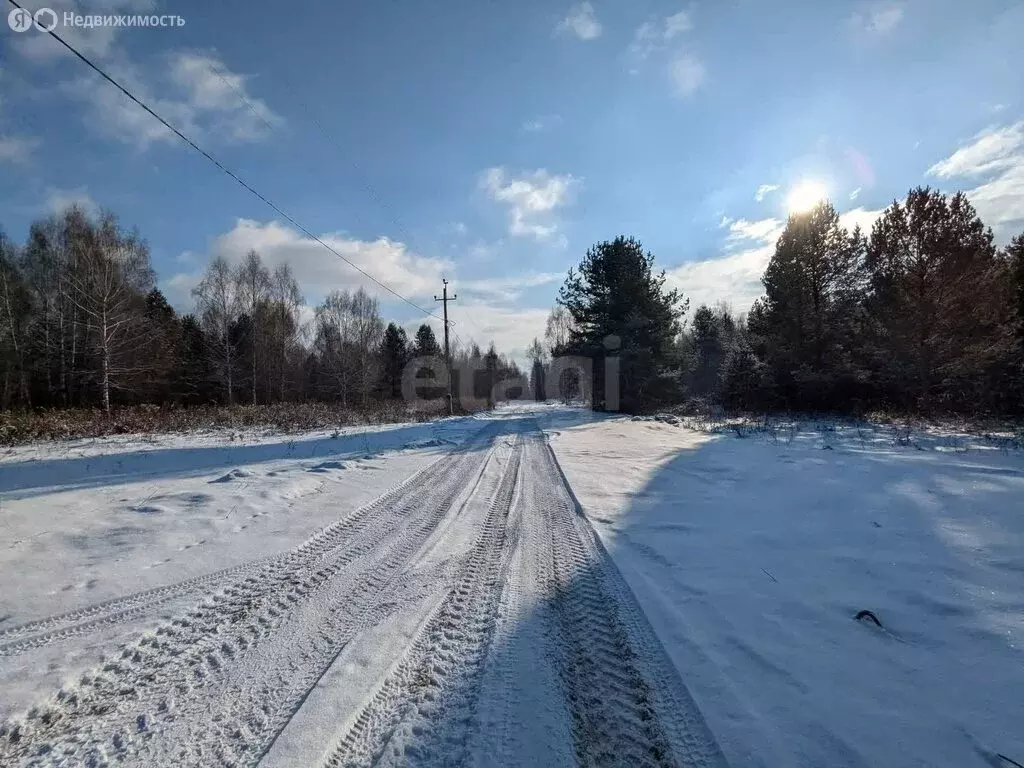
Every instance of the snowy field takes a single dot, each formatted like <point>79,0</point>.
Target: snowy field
<point>537,587</point>
<point>751,557</point>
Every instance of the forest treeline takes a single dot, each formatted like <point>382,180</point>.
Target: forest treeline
<point>923,314</point>
<point>83,324</point>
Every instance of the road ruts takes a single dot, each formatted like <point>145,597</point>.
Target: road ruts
<point>423,711</point>
<point>602,689</point>
<point>54,629</point>
<point>118,713</point>
<point>627,704</point>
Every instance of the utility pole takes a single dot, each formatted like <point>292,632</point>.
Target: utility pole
<point>447,350</point>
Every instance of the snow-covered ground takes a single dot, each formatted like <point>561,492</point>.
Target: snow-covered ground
<point>89,521</point>
<point>541,586</point>
<point>242,604</point>
<point>751,556</point>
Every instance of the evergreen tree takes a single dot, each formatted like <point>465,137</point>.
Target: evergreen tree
<point>1015,259</point>
<point>740,379</point>
<point>616,301</point>
<point>195,383</point>
<point>708,351</point>
<point>535,352</point>
<point>163,346</point>
<point>394,354</point>
<point>491,369</point>
<point>806,324</point>
<point>426,344</point>
<point>929,261</point>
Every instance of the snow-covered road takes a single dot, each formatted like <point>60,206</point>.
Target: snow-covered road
<point>468,616</point>
<point>535,586</point>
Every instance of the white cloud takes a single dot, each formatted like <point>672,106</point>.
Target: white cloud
<point>734,278</point>
<point>877,19</point>
<point>860,216</point>
<point>764,190</point>
<point>319,270</point>
<point>508,288</point>
<point>994,149</point>
<point>531,199</point>
<point>855,193</point>
<point>688,74</point>
<point>653,36</point>
<point>212,89</point>
<point>510,328</point>
<point>646,40</point>
<point>762,230</point>
<point>677,24</point>
<point>59,200</point>
<point>196,93</point>
<point>996,153</point>
<point>17,149</point>
<point>659,37</point>
<point>581,22</point>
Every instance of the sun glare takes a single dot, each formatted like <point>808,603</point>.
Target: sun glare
<point>805,196</point>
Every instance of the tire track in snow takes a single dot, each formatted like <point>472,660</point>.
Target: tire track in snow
<point>424,709</point>
<point>59,627</point>
<point>627,703</point>
<point>122,707</point>
<point>281,673</point>
<point>217,685</point>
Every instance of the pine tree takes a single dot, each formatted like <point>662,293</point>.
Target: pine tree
<point>709,351</point>
<point>163,347</point>
<point>491,369</point>
<point>535,352</point>
<point>426,344</point>
<point>394,354</point>
<point>616,300</point>
<point>740,386</point>
<point>929,261</point>
<point>806,324</point>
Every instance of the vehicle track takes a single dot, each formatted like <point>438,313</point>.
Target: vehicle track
<point>112,713</point>
<point>280,674</point>
<point>61,626</point>
<point>35,634</point>
<point>623,702</point>
<point>425,705</point>
<point>626,701</point>
<point>535,649</point>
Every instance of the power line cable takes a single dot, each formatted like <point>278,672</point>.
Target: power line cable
<point>226,170</point>
<point>252,107</point>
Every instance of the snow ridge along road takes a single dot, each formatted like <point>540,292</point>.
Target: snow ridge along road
<point>527,647</point>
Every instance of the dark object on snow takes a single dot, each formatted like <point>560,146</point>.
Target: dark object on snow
<point>1008,760</point>
<point>868,615</point>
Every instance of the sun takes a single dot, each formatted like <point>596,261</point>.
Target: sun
<point>805,196</point>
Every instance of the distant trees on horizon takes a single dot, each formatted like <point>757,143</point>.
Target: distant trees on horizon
<point>83,324</point>
<point>922,314</point>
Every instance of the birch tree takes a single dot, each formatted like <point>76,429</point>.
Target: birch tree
<point>217,306</point>
<point>109,293</point>
<point>253,290</point>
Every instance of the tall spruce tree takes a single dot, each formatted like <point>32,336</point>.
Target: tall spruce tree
<point>394,353</point>
<point>426,344</point>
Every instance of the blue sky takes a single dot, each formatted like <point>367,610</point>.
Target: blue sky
<point>493,142</point>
